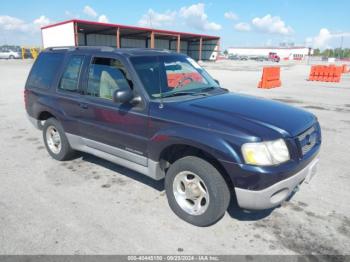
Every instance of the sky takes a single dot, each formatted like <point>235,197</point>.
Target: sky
<point>317,24</point>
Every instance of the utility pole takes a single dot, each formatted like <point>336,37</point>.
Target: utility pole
<point>341,47</point>
<point>150,20</point>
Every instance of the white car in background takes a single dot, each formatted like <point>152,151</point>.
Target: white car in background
<point>9,54</point>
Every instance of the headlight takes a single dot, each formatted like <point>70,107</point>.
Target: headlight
<point>265,153</point>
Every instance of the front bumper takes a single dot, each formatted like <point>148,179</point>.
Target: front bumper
<point>277,193</point>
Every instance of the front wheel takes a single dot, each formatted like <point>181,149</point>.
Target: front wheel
<point>196,191</point>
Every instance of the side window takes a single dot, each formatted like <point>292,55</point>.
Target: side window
<point>44,70</point>
<point>105,76</point>
<point>70,77</point>
<point>149,71</point>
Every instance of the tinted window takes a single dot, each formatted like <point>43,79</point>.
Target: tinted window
<point>105,76</point>
<point>171,74</point>
<point>44,70</point>
<point>148,70</point>
<point>70,77</point>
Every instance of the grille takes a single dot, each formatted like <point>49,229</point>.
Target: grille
<point>308,139</point>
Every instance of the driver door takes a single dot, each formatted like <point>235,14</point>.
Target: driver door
<point>117,129</point>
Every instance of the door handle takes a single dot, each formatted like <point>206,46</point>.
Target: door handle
<point>83,106</point>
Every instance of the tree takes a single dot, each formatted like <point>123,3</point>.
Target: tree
<point>336,52</point>
<point>317,52</point>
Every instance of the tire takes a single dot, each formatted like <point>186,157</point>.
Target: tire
<point>60,151</point>
<point>217,196</point>
<point>11,57</point>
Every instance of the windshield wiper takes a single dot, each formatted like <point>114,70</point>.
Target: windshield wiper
<point>206,89</point>
<point>182,93</point>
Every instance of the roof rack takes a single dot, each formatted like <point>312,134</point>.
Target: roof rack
<point>107,49</point>
<point>61,48</point>
<point>72,48</point>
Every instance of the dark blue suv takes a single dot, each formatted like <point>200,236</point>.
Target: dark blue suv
<point>161,114</point>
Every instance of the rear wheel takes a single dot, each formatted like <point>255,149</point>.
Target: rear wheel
<point>56,141</point>
<point>196,191</point>
<point>11,57</point>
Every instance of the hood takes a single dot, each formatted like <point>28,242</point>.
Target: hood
<point>247,111</point>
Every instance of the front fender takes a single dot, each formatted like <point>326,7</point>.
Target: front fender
<point>214,144</point>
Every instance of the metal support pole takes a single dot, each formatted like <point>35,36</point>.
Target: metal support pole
<point>76,41</point>
<point>219,49</point>
<point>152,39</point>
<point>200,48</point>
<point>118,38</point>
<point>178,44</point>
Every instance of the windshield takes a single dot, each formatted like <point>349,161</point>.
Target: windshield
<point>172,75</point>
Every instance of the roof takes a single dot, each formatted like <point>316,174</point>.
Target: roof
<point>108,28</point>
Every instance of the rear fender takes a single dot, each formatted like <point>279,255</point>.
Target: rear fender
<point>46,104</point>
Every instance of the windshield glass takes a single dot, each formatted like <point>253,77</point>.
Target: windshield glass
<point>172,75</point>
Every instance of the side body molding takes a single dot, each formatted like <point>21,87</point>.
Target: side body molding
<point>118,156</point>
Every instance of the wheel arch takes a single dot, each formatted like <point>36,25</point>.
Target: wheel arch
<point>208,145</point>
<point>175,151</point>
<point>207,141</point>
<point>42,116</point>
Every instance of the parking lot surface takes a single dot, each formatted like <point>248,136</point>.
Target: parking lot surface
<point>91,206</point>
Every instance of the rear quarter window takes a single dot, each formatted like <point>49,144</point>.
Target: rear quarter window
<point>44,70</point>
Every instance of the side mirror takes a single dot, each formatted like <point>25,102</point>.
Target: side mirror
<point>122,95</point>
<point>217,81</point>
